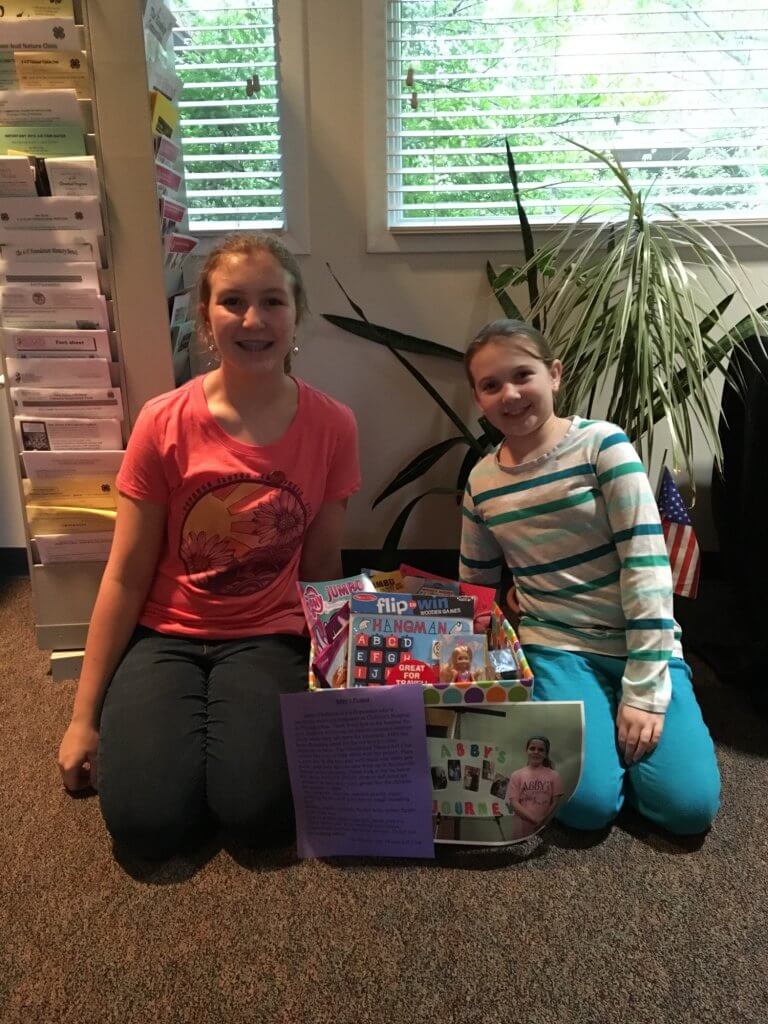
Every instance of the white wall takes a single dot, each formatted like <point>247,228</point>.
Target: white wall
<point>444,297</point>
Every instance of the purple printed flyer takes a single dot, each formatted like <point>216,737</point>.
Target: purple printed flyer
<point>359,771</point>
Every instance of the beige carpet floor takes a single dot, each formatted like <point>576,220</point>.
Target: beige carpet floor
<point>630,927</point>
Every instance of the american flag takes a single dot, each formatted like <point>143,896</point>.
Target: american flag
<point>683,548</point>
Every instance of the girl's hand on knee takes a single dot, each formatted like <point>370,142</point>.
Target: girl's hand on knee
<point>638,732</point>
<point>77,757</point>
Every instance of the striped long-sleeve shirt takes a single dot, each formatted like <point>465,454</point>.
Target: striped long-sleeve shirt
<point>579,529</point>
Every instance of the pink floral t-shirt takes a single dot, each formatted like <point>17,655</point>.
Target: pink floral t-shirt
<point>237,513</point>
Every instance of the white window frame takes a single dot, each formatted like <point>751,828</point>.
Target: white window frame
<point>381,238</point>
<point>294,128</point>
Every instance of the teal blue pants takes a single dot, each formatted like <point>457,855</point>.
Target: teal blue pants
<point>677,785</point>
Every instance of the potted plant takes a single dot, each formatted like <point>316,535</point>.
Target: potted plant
<point>627,306</point>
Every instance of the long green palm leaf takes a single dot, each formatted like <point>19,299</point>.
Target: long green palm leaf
<point>392,540</point>
<point>393,339</point>
<point>419,465</point>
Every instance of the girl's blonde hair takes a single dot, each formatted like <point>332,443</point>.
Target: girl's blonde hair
<point>508,329</point>
<point>245,245</point>
<point>460,649</point>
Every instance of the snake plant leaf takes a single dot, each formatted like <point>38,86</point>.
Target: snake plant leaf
<point>393,339</point>
<point>392,540</point>
<point>418,466</point>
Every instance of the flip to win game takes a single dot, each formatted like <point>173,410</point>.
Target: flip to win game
<point>395,638</point>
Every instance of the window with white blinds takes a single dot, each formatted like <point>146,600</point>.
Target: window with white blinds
<point>677,90</point>
<point>227,56</point>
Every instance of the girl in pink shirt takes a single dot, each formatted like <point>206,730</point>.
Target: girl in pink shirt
<point>232,488</point>
<point>533,792</point>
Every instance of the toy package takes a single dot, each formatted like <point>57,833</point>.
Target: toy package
<point>386,582</point>
<point>464,659</point>
<point>326,606</point>
<point>395,638</point>
<point>485,597</point>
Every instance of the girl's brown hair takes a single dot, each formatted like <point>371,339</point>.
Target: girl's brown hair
<point>508,329</point>
<point>542,739</point>
<point>245,245</point>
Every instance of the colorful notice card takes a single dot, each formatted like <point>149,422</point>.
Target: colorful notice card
<point>42,140</point>
<point>359,772</point>
<point>59,69</point>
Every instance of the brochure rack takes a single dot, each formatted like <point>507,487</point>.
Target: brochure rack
<point>118,134</point>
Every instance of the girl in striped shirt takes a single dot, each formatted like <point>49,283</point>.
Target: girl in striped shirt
<point>566,505</point>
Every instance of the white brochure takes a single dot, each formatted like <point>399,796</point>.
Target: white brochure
<point>62,373</point>
<point>72,175</point>
<point>90,403</point>
<point>70,246</point>
<point>67,435</point>
<point>17,177</point>
<point>79,547</point>
<point>70,308</point>
<point>57,344</point>
<point>37,274</point>
<point>180,307</point>
<point>164,80</point>
<point>45,466</point>
<point>40,106</point>
<point>40,34</point>
<point>158,20</point>
<point>57,212</point>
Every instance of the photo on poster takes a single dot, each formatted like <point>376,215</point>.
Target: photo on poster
<point>503,769</point>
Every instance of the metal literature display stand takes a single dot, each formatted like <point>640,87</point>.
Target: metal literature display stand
<point>118,134</point>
